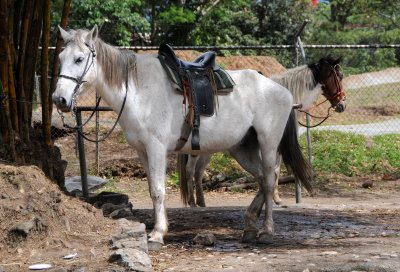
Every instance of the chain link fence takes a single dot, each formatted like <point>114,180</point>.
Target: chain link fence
<point>373,98</point>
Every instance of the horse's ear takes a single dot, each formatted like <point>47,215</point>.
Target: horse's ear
<point>66,36</point>
<point>92,35</point>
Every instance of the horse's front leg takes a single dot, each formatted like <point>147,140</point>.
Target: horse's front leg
<point>154,160</point>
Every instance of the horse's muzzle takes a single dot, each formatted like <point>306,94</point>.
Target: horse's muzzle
<point>340,107</point>
<point>61,103</point>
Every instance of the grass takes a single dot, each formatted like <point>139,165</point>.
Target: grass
<point>354,155</point>
<point>336,153</point>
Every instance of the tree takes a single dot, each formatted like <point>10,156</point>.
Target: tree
<point>22,23</point>
<point>120,22</point>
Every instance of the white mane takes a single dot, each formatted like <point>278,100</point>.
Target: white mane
<point>301,83</point>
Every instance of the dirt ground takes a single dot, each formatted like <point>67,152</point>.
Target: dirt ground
<point>344,228</point>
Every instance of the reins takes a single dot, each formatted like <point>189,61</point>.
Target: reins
<point>79,81</point>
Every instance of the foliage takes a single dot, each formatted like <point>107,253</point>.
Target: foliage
<point>358,22</point>
<point>224,163</point>
<point>243,22</point>
<point>117,20</point>
<point>173,179</point>
<point>354,155</point>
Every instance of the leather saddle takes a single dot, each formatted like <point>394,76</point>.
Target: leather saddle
<point>204,61</point>
<point>197,80</point>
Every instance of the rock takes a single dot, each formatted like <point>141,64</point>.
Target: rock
<point>109,208</point>
<point>219,178</point>
<point>367,184</point>
<point>25,227</point>
<point>205,239</point>
<point>132,258</point>
<point>129,246</point>
<point>121,213</point>
<point>108,197</point>
<point>74,184</point>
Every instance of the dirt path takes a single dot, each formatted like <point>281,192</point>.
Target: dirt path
<point>344,228</point>
<point>358,230</point>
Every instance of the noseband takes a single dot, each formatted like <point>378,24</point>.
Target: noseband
<point>79,80</point>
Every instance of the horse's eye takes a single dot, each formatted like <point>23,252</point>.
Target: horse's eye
<point>79,60</point>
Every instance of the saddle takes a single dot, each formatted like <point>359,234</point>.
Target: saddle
<point>199,81</point>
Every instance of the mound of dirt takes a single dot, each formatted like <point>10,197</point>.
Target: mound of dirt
<point>39,224</point>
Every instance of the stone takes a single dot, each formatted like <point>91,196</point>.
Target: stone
<point>205,239</point>
<point>132,259</point>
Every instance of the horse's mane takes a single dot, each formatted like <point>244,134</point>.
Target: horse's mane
<point>114,62</point>
<point>297,81</point>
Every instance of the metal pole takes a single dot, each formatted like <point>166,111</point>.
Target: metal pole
<point>299,46</point>
<point>82,159</point>
<point>97,138</point>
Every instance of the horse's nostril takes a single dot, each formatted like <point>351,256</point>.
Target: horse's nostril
<point>62,101</point>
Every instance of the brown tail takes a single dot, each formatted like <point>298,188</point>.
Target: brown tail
<point>183,186</point>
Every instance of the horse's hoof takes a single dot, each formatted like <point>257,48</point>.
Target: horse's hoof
<point>154,246</point>
<point>249,236</point>
<point>265,238</point>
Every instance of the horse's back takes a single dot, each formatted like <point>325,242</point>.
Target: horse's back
<point>252,84</point>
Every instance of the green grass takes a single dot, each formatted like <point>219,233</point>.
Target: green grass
<point>224,163</point>
<point>354,155</point>
<point>173,179</point>
<point>335,152</point>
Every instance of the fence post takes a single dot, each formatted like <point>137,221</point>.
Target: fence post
<point>299,46</point>
<point>82,158</point>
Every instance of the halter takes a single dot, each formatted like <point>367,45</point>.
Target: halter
<point>339,92</point>
<point>79,81</point>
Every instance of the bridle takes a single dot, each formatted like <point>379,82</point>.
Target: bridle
<point>79,81</point>
<point>339,93</point>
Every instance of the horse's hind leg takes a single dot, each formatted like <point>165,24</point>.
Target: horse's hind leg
<point>190,172</point>
<point>248,157</point>
<point>277,171</point>
<point>201,165</point>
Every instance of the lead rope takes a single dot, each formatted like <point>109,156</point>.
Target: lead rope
<point>73,111</point>
<point>313,116</point>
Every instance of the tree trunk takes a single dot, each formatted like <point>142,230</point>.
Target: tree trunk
<point>44,86</point>
<point>56,60</point>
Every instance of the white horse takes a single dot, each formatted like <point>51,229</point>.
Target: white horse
<point>253,121</point>
<point>306,83</point>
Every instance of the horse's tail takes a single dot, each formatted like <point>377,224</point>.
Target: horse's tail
<point>292,156</point>
<point>183,185</point>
